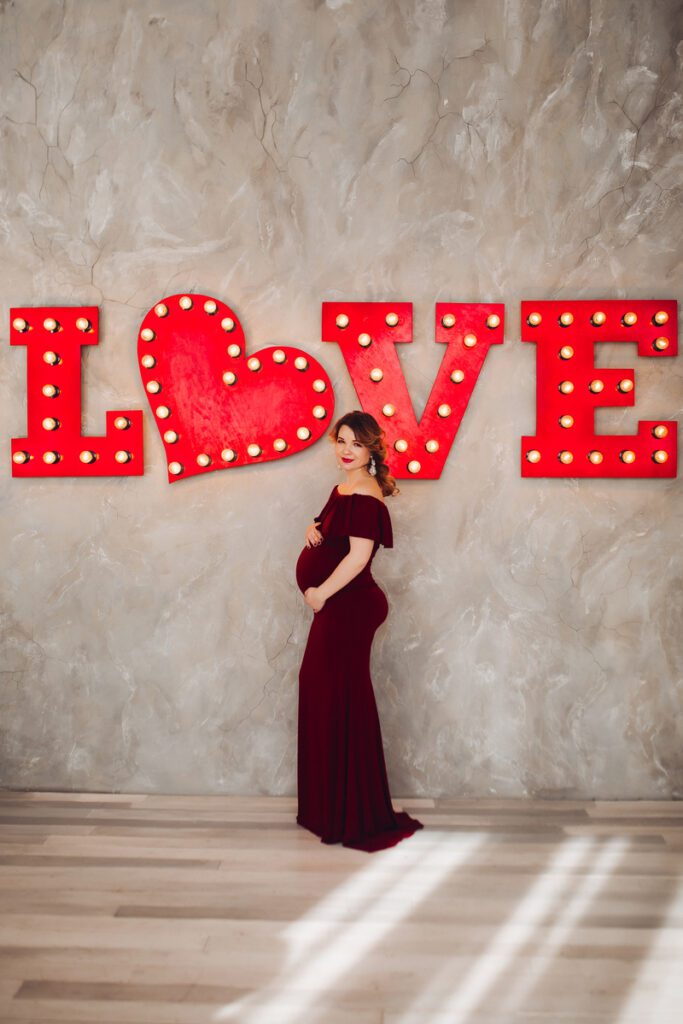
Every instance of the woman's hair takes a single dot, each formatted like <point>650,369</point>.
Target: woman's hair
<point>368,431</point>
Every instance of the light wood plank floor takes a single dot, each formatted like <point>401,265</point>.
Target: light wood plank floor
<point>133,908</point>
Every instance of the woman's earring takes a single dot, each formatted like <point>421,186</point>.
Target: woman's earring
<point>373,468</point>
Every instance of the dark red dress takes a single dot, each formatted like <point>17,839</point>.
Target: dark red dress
<point>343,792</point>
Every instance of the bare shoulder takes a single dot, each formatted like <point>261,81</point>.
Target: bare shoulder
<point>373,490</point>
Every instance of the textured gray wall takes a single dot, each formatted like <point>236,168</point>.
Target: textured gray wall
<point>276,155</point>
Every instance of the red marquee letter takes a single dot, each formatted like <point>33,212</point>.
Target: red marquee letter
<point>367,333</point>
<point>570,386</point>
<point>54,445</point>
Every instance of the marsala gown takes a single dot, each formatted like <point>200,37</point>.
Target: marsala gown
<point>343,792</point>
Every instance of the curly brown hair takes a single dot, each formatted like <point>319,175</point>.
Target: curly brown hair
<point>367,430</point>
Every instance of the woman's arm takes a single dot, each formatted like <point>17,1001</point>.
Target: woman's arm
<point>360,549</point>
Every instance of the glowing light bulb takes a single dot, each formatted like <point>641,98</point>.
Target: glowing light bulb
<point>301,363</point>
<point>448,320</point>
<point>234,350</point>
<point>148,362</point>
<point>566,457</point>
<point>342,320</point>
<point>627,456</point>
<point>82,323</point>
<point>595,457</point>
<point>163,411</point>
<point>660,317</point>
<point>175,468</point>
<point>147,334</point>
<point>566,352</point>
<point>49,423</point>
<point>50,324</point>
<point>493,320</point>
<point>320,412</point>
<point>50,457</point>
<point>625,386</point>
<point>470,340</point>
<point>210,307</point>
<point>566,319</point>
<point>566,421</point>
<point>228,455</point>
<point>228,324</point>
<point>661,343</point>
<point>20,457</point>
<point>185,302</point>
<point>279,444</point>
<point>50,391</point>
<point>376,374</point>
<point>432,445</point>
<point>414,466</point>
<point>629,319</point>
<point>660,456</point>
<point>161,309</point>
<point>86,456</point>
<point>303,433</point>
<point>533,455</point>
<point>444,409</point>
<point>153,386</point>
<point>319,385</point>
<point>122,456</point>
<point>598,318</point>
<point>254,363</point>
<point>50,357</point>
<point>566,387</point>
<point>170,436</point>
<point>391,319</point>
<point>596,386</point>
<point>19,324</point>
<point>279,356</point>
<point>388,409</point>
<point>660,430</point>
<point>254,450</point>
<point>401,445</point>
<point>457,376</point>
<point>534,319</point>
<point>122,423</point>
<point>364,340</point>
<point>203,459</point>
<point>229,377</point>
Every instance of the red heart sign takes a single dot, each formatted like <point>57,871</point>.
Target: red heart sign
<point>216,407</point>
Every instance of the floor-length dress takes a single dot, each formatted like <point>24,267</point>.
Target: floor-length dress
<point>343,791</point>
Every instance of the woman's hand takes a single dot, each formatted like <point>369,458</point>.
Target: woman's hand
<point>312,598</point>
<point>313,536</point>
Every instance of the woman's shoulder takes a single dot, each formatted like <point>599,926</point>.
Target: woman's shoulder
<point>371,492</point>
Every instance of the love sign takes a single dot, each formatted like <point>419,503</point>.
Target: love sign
<point>218,406</point>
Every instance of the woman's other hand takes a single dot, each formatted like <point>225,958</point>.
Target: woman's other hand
<point>312,598</point>
<point>313,536</point>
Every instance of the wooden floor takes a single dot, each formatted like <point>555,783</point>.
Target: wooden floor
<point>125,908</point>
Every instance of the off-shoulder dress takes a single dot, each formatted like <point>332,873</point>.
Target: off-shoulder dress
<point>343,791</point>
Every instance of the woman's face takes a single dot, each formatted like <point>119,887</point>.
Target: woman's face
<point>350,452</point>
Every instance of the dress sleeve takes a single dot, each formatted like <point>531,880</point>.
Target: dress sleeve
<point>361,515</point>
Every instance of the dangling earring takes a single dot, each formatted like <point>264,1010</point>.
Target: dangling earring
<point>373,468</point>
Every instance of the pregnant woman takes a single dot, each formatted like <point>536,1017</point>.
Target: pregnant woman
<point>343,792</point>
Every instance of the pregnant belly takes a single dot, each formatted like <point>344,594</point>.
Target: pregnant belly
<point>315,564</point>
